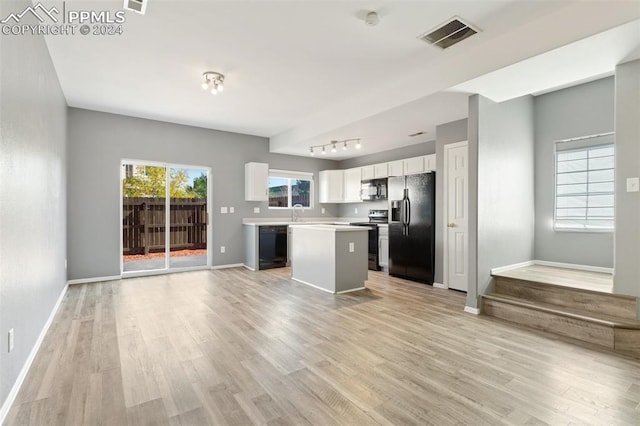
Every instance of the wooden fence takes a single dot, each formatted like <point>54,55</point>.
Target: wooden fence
<point>144,219</point>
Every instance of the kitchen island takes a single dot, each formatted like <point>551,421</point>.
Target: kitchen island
<point>332,258</point>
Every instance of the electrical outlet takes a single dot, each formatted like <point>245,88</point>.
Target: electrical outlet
<point>232,210</point>
<point>355,210</point>
<point>633,184</point>
<point>256,209</point>
<point>323,210</point>
<point>352,247</point>
<point>10,340</point>
<point>223,210</point>
<point>223,249</point>
<point>65,264</point>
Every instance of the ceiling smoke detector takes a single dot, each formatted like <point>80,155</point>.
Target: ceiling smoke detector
<point>449,33</point>
<point>372,19</point>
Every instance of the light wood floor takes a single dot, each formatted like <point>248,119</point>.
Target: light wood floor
<point>240,347</point>
<point>585,280</point>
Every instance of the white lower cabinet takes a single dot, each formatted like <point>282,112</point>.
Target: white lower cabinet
<point>383,247</point>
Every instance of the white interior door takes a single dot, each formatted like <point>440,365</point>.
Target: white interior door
<point>457,213</point>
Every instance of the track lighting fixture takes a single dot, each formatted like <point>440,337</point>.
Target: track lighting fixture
<point>334,146</point>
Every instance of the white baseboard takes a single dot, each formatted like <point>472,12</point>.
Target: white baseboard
<point>312,285</point>
<point>248,267</point>
<point>353,289</point>
<point>230,265</point>
<point>93,280</point>
<point>474,311</point>
<point>6,406</point>
<point>574,266</point>
<point>514,266</point>
<point>439,285</point>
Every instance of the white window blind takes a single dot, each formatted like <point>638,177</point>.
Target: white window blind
<point>584,198</point>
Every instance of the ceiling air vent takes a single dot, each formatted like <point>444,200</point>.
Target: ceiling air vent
<point>139,6</point>
<point>448,34</point>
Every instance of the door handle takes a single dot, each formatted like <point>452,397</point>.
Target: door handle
<point>451,225</point>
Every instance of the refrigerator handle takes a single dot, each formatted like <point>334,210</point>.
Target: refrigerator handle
<point>408,213</point>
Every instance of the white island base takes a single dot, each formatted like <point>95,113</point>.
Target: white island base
<point>332,258</point>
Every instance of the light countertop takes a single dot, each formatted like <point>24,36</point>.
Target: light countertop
<point>329,227</point>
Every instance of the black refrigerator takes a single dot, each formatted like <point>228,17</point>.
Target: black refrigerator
<point>412,213</point>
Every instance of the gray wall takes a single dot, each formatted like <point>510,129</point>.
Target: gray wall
<point>455,131</point>
<point>32,194</point>
<point>505,186</point>
<point>581,110</point>
<point>627,235</point>
<point>97,143</point>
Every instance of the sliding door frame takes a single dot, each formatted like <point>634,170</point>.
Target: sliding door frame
<point>167,235</point>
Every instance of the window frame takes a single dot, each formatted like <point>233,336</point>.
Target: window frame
<point>290,176</point>
<point>576,145</point>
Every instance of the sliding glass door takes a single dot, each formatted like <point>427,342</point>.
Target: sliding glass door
<point>188,217</point>
<point>152,240</point>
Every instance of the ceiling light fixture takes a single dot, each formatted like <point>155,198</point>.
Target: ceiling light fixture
<point>334,145</point>
<point>372,19</point>
<point>214,81</point>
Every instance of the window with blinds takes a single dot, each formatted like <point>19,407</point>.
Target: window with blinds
<point>585,185</point>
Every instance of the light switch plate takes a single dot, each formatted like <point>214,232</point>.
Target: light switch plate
<point>633,184</point>
<point>256,209</point>
<point>352,247</point>
<point>323,210</point>
<point>232,210</point>
<point>355,210</point>
<point>223,249</point>
<point>223,210</point>
<point>10,343</point>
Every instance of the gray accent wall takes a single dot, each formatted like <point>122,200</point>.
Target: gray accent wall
<point>627,124</point>
<point>32,194</point>
<point>99,141</point>
<point>504,142</point>
<point>581,110</point>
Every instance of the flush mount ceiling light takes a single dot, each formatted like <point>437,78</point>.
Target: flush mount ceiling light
<point>333,145</point>
<point>372,19</point>
<point>213,81</point>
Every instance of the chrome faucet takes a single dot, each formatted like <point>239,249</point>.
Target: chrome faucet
<point>296,211</point>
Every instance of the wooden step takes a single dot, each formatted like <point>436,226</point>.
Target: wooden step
<point>614,305</point>
<point>616,333</point>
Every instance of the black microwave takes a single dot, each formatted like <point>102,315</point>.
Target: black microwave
<point>373,190</point>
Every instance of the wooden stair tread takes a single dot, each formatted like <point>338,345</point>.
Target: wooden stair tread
<point>602,319</point>
<point>507,276</point>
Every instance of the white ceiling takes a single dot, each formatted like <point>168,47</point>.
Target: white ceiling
<point>306,72</point>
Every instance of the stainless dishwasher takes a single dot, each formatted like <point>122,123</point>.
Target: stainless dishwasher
<point>272,246</point>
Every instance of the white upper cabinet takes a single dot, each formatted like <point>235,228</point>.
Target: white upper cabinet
<point>380,170</point>
<point>395,168</point>
<point>256,182</point>
<point>430,163</point>
<point>368,172</point>
<point>422,164</point>
<point>331,186</point>
<point>352,185</point>
<point>413,165</point>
